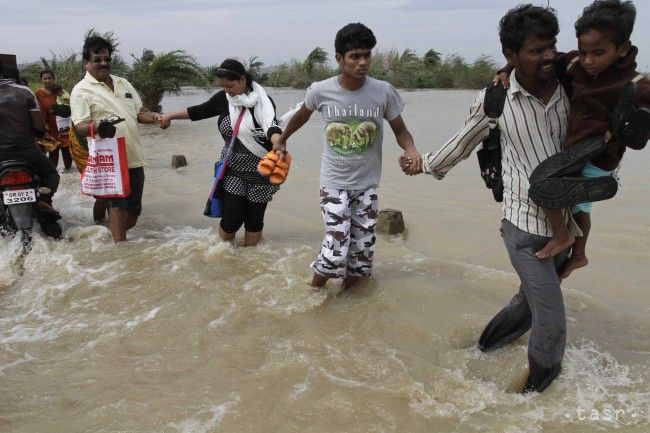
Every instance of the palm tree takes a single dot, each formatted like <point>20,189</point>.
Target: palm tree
<point>317,57</point>
<point>408,56</point>
<point>68,65</point>
<point>67,68</point>
<point>255,68</point>
<point>155,74</point>
<point>408,60</point>
<point>431,58</point>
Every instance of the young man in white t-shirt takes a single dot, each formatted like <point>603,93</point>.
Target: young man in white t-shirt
<point>353,107</point>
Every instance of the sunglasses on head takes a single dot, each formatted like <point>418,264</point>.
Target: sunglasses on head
<point>98,60</point>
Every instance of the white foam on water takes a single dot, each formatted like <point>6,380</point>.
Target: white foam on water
<point>592,383</point>
<point>222,319</point>
<point>205,420</point>
<point>348,383</point>
<point>10,268</point>
<point>183,241</point>
<point>282,281</point>
<point>142,318</point>
<point>299,389</point>
<point>456,395</point>
<point>54,267</point>
<point>26,358</point>
<point>274,277</point>
<point>94,237</point>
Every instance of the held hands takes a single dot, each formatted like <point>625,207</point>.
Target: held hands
<point>164,120</point>
<point>410,162</point>
<point>279,147</point>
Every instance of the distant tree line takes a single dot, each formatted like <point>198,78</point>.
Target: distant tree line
<point>152,74</point>
<point>155,74</point>
<point>403,70</point>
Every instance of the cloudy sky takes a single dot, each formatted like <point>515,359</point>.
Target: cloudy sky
<point>275,30</point>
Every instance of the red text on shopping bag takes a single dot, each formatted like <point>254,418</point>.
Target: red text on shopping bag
<point>107,171</point>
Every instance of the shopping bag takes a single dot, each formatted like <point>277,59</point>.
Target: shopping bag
<point>214,204</point>
<point>107,172</point>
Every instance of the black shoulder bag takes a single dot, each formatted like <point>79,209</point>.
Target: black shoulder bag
<point>489,156</point>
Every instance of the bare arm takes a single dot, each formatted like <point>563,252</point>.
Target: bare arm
<point>147,117</point>
<point>180,114</point>
<point>405,141</point>
<point>166,119</point>
<point>297,121</point>
<point>460,146</point>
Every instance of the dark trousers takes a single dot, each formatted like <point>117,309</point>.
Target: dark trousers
<point>537,306</point>
<point>67,157</point>
<point>238,211</point>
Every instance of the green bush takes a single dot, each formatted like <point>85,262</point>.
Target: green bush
<point>155,74</point>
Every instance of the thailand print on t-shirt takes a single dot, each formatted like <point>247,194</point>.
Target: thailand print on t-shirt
<point>353,130</point>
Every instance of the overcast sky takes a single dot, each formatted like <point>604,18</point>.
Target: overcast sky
<point>275,30</point>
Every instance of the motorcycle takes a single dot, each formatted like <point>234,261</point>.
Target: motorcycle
<point>20,188</point>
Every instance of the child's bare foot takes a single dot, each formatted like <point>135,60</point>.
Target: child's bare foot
<point>556,245</point>
<point>575,261</point>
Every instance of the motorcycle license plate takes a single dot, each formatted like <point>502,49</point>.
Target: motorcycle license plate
<point>18,196</point>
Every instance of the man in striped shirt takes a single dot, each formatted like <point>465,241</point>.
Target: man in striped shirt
<point>533,127</point>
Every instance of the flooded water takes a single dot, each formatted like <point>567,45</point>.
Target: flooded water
<point>176,331</point>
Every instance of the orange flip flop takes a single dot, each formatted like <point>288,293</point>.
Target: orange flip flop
<point>281,171</point>
<point>267,164</point>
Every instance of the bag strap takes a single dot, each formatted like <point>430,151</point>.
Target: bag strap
<point>493,103</point>
<point>235,131</point>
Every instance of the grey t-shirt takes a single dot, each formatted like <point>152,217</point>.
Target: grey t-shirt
<point>353,125</point>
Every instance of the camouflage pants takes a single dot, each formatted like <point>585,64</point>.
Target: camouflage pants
<point>350,218</point>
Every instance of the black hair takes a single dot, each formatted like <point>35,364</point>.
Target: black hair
<point>231,69</point>
<point>95,44</point>
<point>611,16</point>
<point>8,71</point>
<point>353,36</point>
<point>56,88</point>
<point>46,71</point>
<point>527,20</point>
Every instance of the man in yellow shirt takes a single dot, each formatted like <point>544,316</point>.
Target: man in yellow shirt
<point>100,95</point>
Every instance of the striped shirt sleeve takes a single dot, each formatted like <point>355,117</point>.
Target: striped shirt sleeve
<point>461,145</point>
